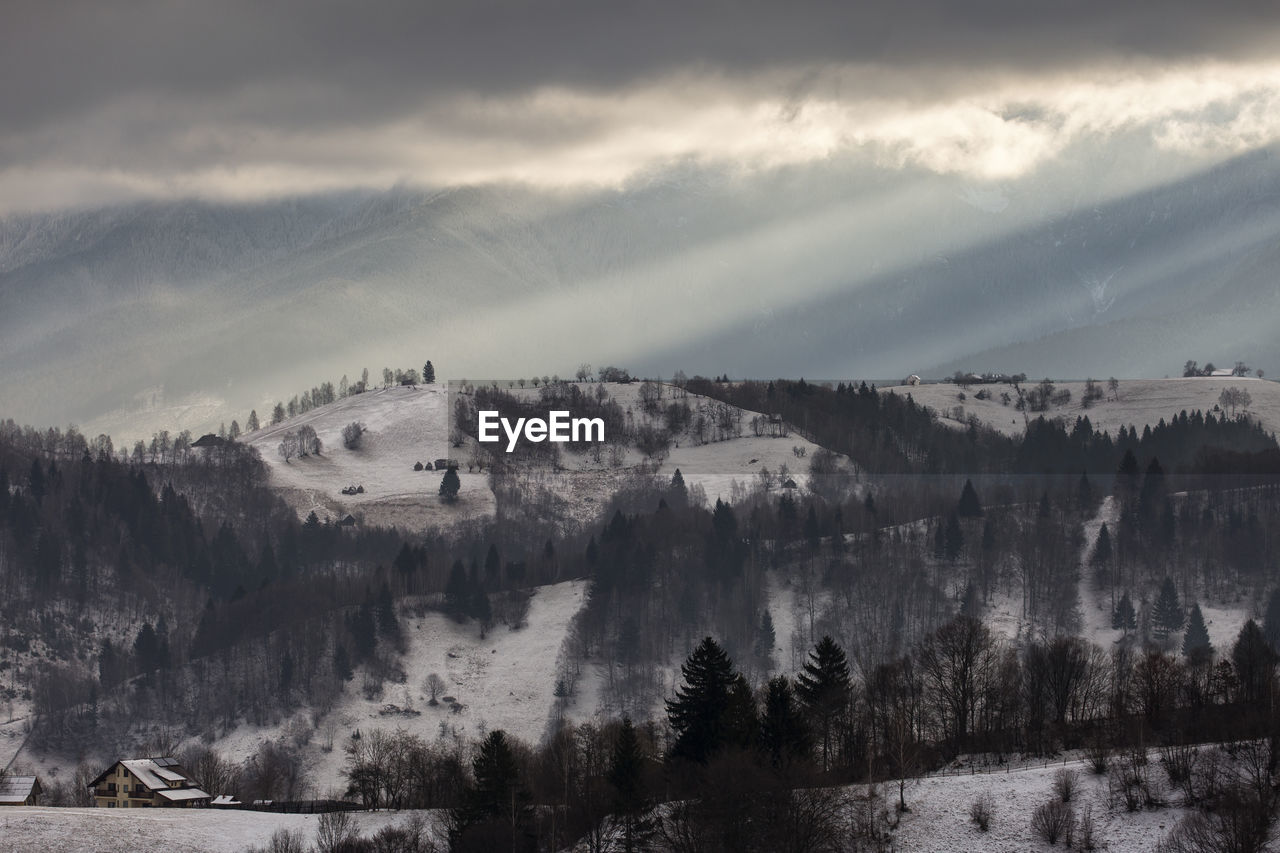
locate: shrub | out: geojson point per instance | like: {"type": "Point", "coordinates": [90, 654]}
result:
{"type": "Point", "coordinates": [1052, 820]}
{"type": "Point", "coordinates": [981, 811]}
{"type": "Point", "coordinates": [1065, 782]}
{"type": "Point", "coordinates": [352, 433]}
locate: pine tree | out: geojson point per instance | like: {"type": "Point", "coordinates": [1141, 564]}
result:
{"type": "Point", "coordinates": [678, 491]}
{"type": "Point", "coordinates": [252, 424]}
{"type": "Point", "coordinates": [450, 485]}
{"type": "Point", "coordinates": [1195, 644]}
{"type": "Point", "coordinates": [699, 710]}
{"type": "Point", "coordinates": [1102, 548]}
{"type": "Point", "coordinates": [1166, 614]}
{"type": "Point", "coordinates": [784, 736]}
{"type": "Point", "coordinates": [457, 591]}
{"type": "Point", "coordinates": [497, 794]}
{"type": "Point", "coordinates": [428, 373]}
{"type": "Point", "coordinates": [1255, 663]}
{"type": "Point", "coordinates": [1084, 493]}
{"type": "Point", "coordinates": [1124, 618]}
{"type": "Point", "coordinates": [630, 798]}
{"type": "Point", "coordinates": [823, 688]}
{"type": "Point", "coordinates": [969, 506]}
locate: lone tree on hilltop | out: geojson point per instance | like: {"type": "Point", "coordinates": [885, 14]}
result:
{"type": "Point", "coordinates": [450, 485]}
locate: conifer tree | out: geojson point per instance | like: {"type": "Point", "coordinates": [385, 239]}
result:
{"type": "Point", "coordinates": [497, 794]}
{"type": "Point", "coordinates": [428, 373]}
{"type": "Point", "coordinates": [784, 736]}
{"type": "Point", "coordinates": [1102, 548]}
{"type": "Point", "coordinates": [969, 506]}
{"type": "Point", "coordinates": [630, 798]}
{"type": "Point", "coordinates": [678, 491]}
{"type": "Point", "coordinates": [1195, 644]}
{"type": "Point", "coordinates": [823, 688]}
{"type": "Point", "coordinates": [450, 485]}
{"type": "Point", "coordinates": [698, 713]}
{"type": "Point", "coordinates": [1124, 618]}
{"type": "Point", "coordinates": [1166, 614]}
{"type": "Point", "coordinates": [252, 424]}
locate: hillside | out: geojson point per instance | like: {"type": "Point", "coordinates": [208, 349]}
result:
{"type": "Point", "coordinates": [404, 426]}
{"type": "Point", "coordinates": [1138, 403]}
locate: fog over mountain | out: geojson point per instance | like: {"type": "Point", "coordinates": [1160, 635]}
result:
{"type": "Point", "coordinates": [198, 311]}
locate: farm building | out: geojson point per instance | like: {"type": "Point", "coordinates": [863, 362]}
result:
{"type": "Point", "coordinates": [20, 791]}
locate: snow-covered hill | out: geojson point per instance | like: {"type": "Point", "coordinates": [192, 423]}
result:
{"type": "Point", "coordinates": [1137, 402]}
{"type": "Point", "coordinates": [405, 425]}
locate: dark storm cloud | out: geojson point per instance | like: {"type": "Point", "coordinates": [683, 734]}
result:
{"type": "Point", "coordinates": [108, 101]}
{"type": "Point", "coordinates": [358, 61]}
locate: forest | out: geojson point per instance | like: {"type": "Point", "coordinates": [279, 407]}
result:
{"type": "Point", "coordinates": [151, 599]}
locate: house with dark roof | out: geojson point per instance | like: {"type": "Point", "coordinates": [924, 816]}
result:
{"type": "Point", "coordinates": [209, 441]}
{"type": "Point", "coordinates": [133, 783]}
{"type": "Point", "coordinates": [20, 791]}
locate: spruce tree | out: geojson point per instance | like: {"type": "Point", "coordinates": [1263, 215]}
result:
{"type": "Point", "coordinates": [428, 373]}
{"type": "Point", "coordinates": [784, 735]}
{"type": "Point", "coordinates": [1124, 618]}
{"type": "Point", "coordinates": [1166, 613]}
{"type": "Point", "coordinates": [678, 491]}
{"type": "Point", "coordinates": [823, 688]}
{"type": "Point", "coordinates": [497, 794]}
{"type": "Point", "coordinates": [969, 506]}
{"type": "Point", "coordinates": [450, 485]}
{"type": "Point", "coordinates": [1195, 644]}
{"type": "Point", "coordinates": [630, 799]}
{"type": "Point", "coordinates": [699, 710]}
{"type": "Point", "coordinates": [1102, 548]}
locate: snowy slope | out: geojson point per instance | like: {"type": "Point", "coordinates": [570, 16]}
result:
{"type": "Point", "coordinates": [503, 681]}
{"type": "Point", "coordinates": [405, 425]}
{"type": "Point", "coordinates": [1139, 401]}
{"type": "Point", "coordinates": [939, 816]}
{"type": "Point", "coordinates": [50, 830]}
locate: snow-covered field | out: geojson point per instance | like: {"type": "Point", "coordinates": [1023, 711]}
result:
{"type": "Point", "coordinates": [49, 830]}
{"type": "Point", "coordinates": [405, 425]}
{"type": "Point", "coordinates": [504, 681]}
{"type": "Point", "coordinates": [938, 820]}
{"type": "Point", "coordinates": [939, 817]}
{"type": "Point", "coordinates": [1138, 402]}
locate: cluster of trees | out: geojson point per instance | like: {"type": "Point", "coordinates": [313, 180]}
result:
{"type": "Point", "coordinates": [327, 392]}
{"type": "Point", "coordinates": [301, 442]}
{"type": "Point", "coordinates": [1193, 368]}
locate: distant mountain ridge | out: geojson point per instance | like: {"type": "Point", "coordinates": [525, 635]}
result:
{"type": "Point", "coordinates": [825, 270]}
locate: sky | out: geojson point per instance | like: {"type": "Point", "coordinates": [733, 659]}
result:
{"type": "Point", "coordinates": [103, 102]}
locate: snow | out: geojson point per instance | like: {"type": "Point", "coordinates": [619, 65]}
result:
{"type": "Point", "coordinates": [83, 830]}
{"type": "Point", "coordinates": [404, 425]}
{"type": "Point", "coordinates": [1139, 401]}
{"type": "Point", "coordinates": [939, 816]}
{"type": "Point", "coordinates": [504, 681]}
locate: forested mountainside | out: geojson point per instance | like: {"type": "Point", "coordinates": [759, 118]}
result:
{"type": "Point", "coordinates": [836, 622]}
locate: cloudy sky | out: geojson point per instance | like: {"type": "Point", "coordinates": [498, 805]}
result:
{"type": "Point", "coordinates": [239, 100]}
